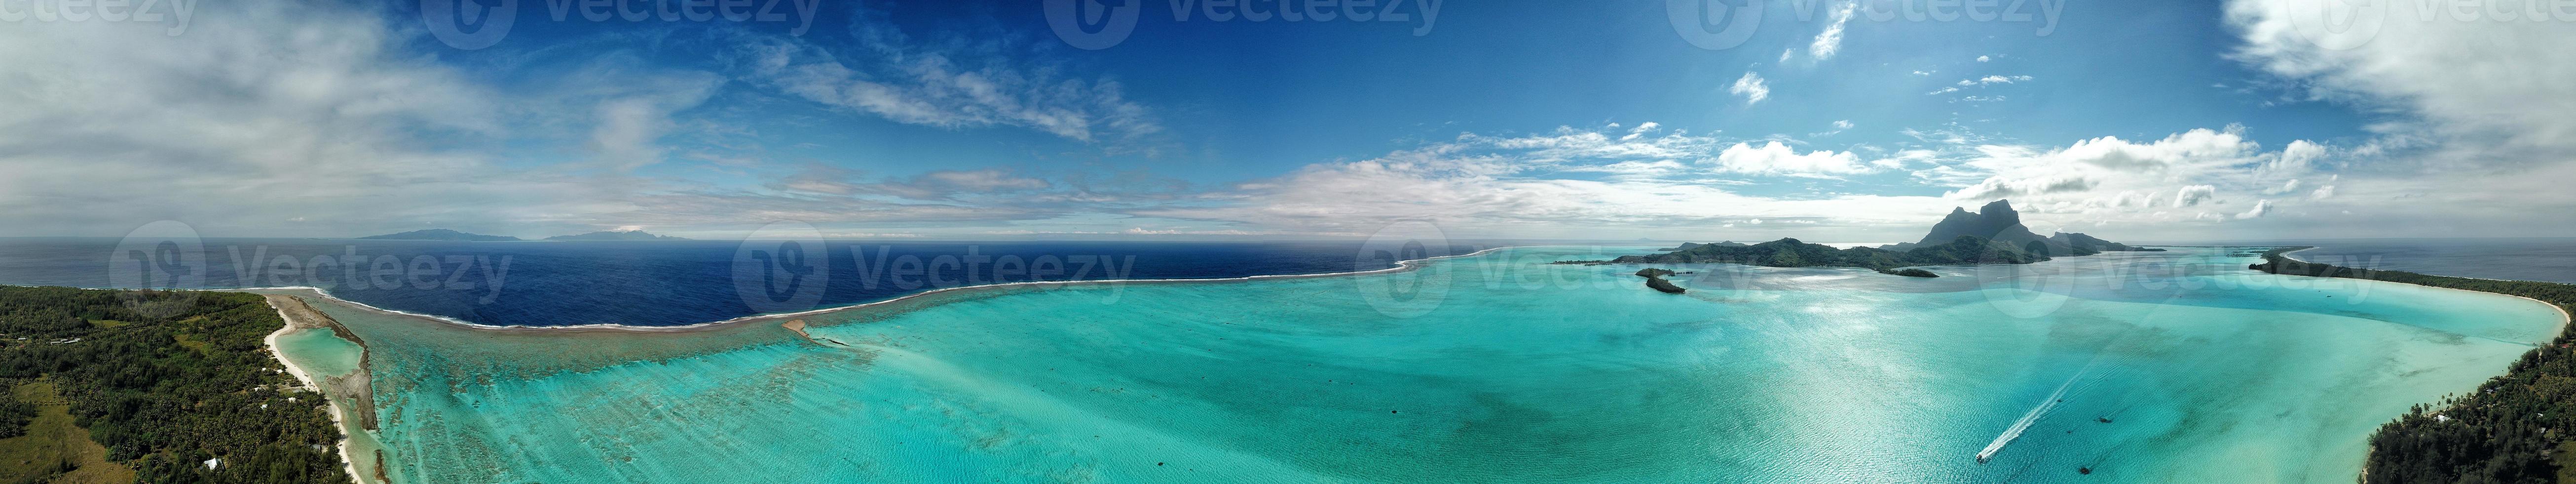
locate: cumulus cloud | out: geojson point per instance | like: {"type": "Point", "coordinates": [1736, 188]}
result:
{"type": "Point", "coordinates": [2292, 186]}
{"type": "Point", "coordinates": [2477, 112]}
{"type": "Point", "coordinates": [1752, 87]}
{"type": "Point", "coordinates": [2260, 207]}
{"type": "Point", "coordinates": [2191, 196]}
{"type": "Point", "coordinates": [1774, 158]}
{"type": "Point", "coordinates": [2299, 156]}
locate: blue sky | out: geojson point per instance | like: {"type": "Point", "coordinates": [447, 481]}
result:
{"type": "Point", "coordinates": [1833, 120]}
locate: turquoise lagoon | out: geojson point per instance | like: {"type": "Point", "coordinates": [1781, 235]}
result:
{"type": "Point", "coordinates": [1488, 368]}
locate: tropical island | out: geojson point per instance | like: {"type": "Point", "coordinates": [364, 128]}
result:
{"type": "Point", "coordinates": [615, 235]}
{"type": "Point", "coordinates": [1992, 235]}
{"type": "Point", "coordinates": [456, 236]}
{"type": "Point", "coordinates": [442, 234]}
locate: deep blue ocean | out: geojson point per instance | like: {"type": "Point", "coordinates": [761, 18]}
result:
{"type": "Point", "coordinates": [662, 283]}
{"type": "Point", "coordinates": [655, 283]}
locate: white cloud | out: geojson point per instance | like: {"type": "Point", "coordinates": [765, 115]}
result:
{"type": "Point", "coordinates": [1993, 80]}
{"type": "Point", "coordinates": [1843, 124]}
{"type": "Point", "coordinates": [2260, 207]}
{"type": "Point", "coordinates": [2191, 196]}
{"type": "Point", "coordinates": [1641, 130]}
{"type": "Point", "coordinates": [1999, 188]}
{"type": "Point", "coordinates": [2477, 116]}
{"type": "Point", "coordinates": [1751, 87]}
{"type": "Point", "coordinates": [1830, 41]}
{"type": "Point", "coordinates": [1481, 195]}
{"type": "Point", "coordinates": [2323, 192]}
{"type": "Point", "coordinates": [1774, 158]}
{"type": "Point", "coordinates": [2299, 156]}
{"type": "Point", "coordinates": [953, 85]}
{"type": "Point", "coordinates": [262, 111]}
{"type": "Point", "coordinates": [1985, 58]}
{"type": "Point", "coordinates": [2292, 186]}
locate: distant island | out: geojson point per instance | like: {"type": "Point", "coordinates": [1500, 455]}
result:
{"type": "Point", "coordinates": [1992, 235]}
{"type": "Point", "coordinates": [1688, 245]}
{"type": "Point", "coordinates": [615, 235]}
{"type": "Point", "coordinates": [1998, 222]}
{"type": "Point", "coordinates": [441, 234]}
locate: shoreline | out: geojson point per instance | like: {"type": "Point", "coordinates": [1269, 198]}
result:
{"type": "Point", "coordinates": [1401, 266]}
{"type": "Point", "coordinates": [2566, 319]}
{"type": "Point", "coordinates": [338, 418]}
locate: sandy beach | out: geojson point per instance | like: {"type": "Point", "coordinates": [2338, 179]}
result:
{"type": "Point", "coordinates": [300, 316]}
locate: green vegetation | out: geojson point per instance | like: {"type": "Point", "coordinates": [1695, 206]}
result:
{"type": "Point", "coordinates": [1967, 249]}
{"type": "Point", "coordinates": [2513, 428]}
{"type": "Point", "coordinates": [182, 380]}
{"type": "Point", "coordinates": [50, 447]}
{"type": "Point", "coordinates": [1908, 272]}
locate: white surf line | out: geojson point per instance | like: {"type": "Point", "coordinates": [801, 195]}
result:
{"type": "Point", "coordinates": [1400, 266]}
{"type": "Point", "coordinates": [2027, 419]}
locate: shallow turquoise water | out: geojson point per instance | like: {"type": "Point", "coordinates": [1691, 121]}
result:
{"type": "Point", "coordinates": [319, 353]}
{"type": "Point", "coordinates": [1495, 368]}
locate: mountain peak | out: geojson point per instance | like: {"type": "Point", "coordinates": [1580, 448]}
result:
{"type": "Point", "coordinates": [1995, 221]}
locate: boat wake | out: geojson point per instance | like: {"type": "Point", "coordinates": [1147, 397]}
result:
{"type": "Point", "coordinates": [2014, 432]}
